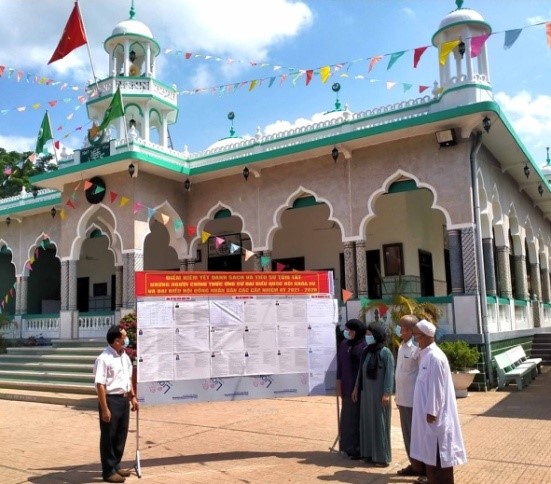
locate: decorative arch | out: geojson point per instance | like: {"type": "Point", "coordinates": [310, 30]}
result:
{"type": "Point", "coordinates": [299, 192]}
{"type": "Point", "coordinates": [164, 213]}
{"type": "Point", "coordinates": [400, 175]}
{"type": "Point", "coordinates": [515, 232]}
{"type": "Point", "coordinates": [5, 249]}
{"type": "Point", "coordinates": [485, 209]}
{"type": "Point", "coordinates": [210, 216]}
{"type": "Point", "coordinates": [39, 241]}
{"type": "Point", "coordinates": [91, 220]}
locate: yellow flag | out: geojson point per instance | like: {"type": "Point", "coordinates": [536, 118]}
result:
{"type": "Point", "coordinates": [124, 201]}
{"type": "Point", "coordinates": [445, 49]}
{"type": "Point", "coordinates": [204, 237]}
{"type": "Point", "coordinates": [325, 72]}
{"type": "Point", "coordinates": [252, 85]}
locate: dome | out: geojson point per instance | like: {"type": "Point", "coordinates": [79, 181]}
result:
{"type": "Point", "coordinates": [462, 16]}
{"type": "Point", "coordinates": [225, 143]}
{"type": "Point", "coordinates": [546, 171]}
{"type": "Point", "coordinates": [132, 27]}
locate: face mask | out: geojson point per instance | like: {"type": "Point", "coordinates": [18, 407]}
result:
{"type": "Point", "coordinates": [369, 339]}
{"type": "Point", "coordinates": [346, 334]}
{"type": "Point", "coordinates": [126, 342]}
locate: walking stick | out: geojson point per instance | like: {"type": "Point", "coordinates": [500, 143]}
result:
{"type": "Point", "coordinates": [137, 465]}
{"type": "Point", "coordinates": [332, 448]}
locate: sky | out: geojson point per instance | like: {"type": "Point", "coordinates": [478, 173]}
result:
{"type": "Point", "coordinates": [234, 43]}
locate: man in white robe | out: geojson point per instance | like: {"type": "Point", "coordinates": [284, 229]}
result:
{"type": "Point", "coordinates": [436, 436]}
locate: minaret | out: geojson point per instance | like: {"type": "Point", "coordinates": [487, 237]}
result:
{"type": "Point", "coordinates": [463, 79]}
{"type": "Point", "coordinates": [149, 105]}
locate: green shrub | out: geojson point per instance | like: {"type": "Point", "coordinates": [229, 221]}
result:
{"type": "Point", "coordinates": [460, 355]}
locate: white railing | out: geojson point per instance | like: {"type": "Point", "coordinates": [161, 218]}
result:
{"type": "Point", "coordinates": [46, 326]}
{"type": "Point", "coordinates": [9, 330]}
{"type": "Point", "coordinates": [94, 325]}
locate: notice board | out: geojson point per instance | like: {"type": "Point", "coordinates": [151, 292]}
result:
{"type": "Point", "coordinates": [215, 336]}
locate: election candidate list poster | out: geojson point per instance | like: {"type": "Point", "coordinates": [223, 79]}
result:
{"type": "Point", "coordinates": [246, 346]}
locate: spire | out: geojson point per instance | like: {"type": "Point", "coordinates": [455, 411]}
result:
{"type": "Point", "coordinates": [132, 11]}
{"type": "Point", "coordinates": [231, 117]}
{"type": "Point", "coordinates": [459, 4]}
{"type": "Point", "coordinates": [548, 160]}
{"type": "Point", "coordinates": [336, 87]}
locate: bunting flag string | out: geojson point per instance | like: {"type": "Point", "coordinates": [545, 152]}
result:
{"type": "Point", "coordinates": [324, 73]}
{"type": "Point", "coordinates": [190, 230]}
{"type": "Point", "coordinates": [510, 37]}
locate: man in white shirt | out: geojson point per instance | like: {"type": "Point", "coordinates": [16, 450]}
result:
{"type": "Point", "coordinates": [436, 438]}
{"type": "Point", "coordinates": [113, 378]}
{"type": "Point", "coordinates": [407, 367]}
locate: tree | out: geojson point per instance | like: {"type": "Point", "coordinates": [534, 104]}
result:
{"type": "Point", "coordinates": [16, 169]}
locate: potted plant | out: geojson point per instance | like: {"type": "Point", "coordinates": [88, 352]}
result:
{"type": "Point", "coordinates": [462, 359]}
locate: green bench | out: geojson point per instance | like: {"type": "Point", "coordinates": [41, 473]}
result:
{"type": "Point", "coordinates": [512, 367]}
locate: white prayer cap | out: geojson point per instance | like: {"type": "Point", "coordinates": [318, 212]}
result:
{"type": "Point", "coordinates": [426, 327]}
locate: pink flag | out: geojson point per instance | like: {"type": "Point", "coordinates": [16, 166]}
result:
{"type": "Point", "coordinates": [477, 43]}
{"type": "Point", "coordinates": [374, 61]}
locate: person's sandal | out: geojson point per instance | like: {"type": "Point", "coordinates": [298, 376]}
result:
{"type": "Point", "coordinates": [408, 471]}
{"type": "Point", "coordinates": [422, 480]}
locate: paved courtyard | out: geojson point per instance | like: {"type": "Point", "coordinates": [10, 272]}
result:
{"type": "Point", "coordinates": [507, 433]}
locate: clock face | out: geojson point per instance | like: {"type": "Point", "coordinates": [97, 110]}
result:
{"type": "Point", "coordinates": [96, 192]}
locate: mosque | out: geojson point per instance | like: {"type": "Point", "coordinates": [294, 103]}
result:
{"type": "Point", "coordinates": [436, 195]}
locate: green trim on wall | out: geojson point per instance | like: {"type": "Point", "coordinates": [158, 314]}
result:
{"type": "Point", "coordinates": [224, 213]}
{"type": "Point", "coordinates": [305, 202]}
{"type": "Point", "coordinates": [402, 186]}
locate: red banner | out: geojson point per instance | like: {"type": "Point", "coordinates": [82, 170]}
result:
{"type": "Point", "coordinates": [173, 283]}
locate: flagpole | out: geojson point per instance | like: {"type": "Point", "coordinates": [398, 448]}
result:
{"type": "Point", "coordinates": [51, 139]}
{"type": "Point", "coordinates": [88, 48]}
{"type": "Point", "coordinates": [124, 120]}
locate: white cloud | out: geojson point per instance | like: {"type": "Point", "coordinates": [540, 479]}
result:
{"type": "Point", "coordinates": [531, 117]}
{"type": "Point", "coordinates": [282, 125]}
{"type": "Point", "coordinates": [17, 143]}
{"type": "Point", "coordinates": [244, 29]}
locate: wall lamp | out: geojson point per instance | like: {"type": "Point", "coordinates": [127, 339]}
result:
{"type": "Point", "coordinates": [486, 124]}
{"type": "Point", "coordinates": [540, 190]}
{"type": "Point", "coordinates": [131, 169]}
{"type": "Point", "coordinates": [187, 185]}
{"type": "Point", "coordinates": [34, 191]}
{"type": "Point", "coordinates": [8, 221]}
{"type": "Point", "coordinates": [246, 173]}
{"type": "Point", "coordinates": [526, 170]}
{"type": "Point", "coordinates": [461, 49]}
{"type": "Point", "coordinates": [446, 137]}
{"type": "Point", "coordinates": [335, 154]}
{"type": "Point", "coordinates": [53, 211]}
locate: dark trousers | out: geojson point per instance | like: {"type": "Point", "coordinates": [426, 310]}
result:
{"type": "Point", "coordinates": [406, 415]}
{"type": "Point", "coordinates": [350, 427]}
{"type": "Point", "coordinates": [438, 474]}
{"type": "Point", "coordinates": [113, 434]}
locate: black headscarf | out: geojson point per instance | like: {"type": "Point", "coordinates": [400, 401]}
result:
{"type": "Point", "coordinates": [359, 328]}
{"type": "Point", "coordinates": [371, 353]}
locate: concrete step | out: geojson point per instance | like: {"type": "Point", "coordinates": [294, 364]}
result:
{"type": "Point", "coordinates": [84, 401]}
{"type": "Point", "coordinates": [40, 376]}
{"type": "Point", "coordinates": [81, 343]}
{"type": "Point", "coordinates": [52, 350]}
{"type": "Point", "coordinates": [47, 366]}
{"type": "Point", "coordinates": [50, 357]}
{"type": "Point", "coordinates": [48, 386]}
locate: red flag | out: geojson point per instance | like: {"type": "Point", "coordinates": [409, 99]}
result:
{"type": "Point", "coordinates": [417, 53]}
{"type": "Point", "coordinates": [73, 36]}
{"type": "Point", "coordinates": [346, 295]}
